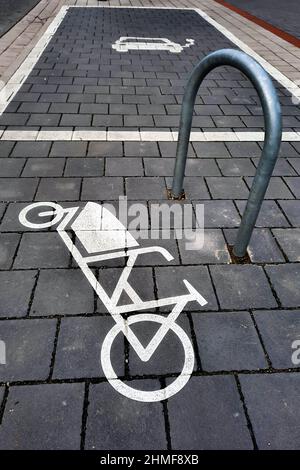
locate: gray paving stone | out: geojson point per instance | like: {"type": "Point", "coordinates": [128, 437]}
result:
{"type": "Point", "coordinates": [168, 357]}
{"type": "Point", "coordinates": [270, 214]}
{"type": "Point", "coordinates": [44, 120]}
{"type": "Point", "coordinates": [169, 282]}
{"type": "Point", "coordinates": [79, 347]}
{"type": "Point", "coordinates": [275, 415]}
{"type": "Point", "coordinates": [289, 240]}
{"type": "Point", "coordinates": [145, 188]}
{"type": "Point", "coordinates": [116, 422]}
{"type": "Point", "coordinates": [15, 189]}
{"type": "Point", "coordinates": [15, 292]}
{"type": "Point", "coordinates": [168, 149]}
{"type": "Point", "coordinates": [194, 187]}
{"type": "Point", "coordinates": [53, 189]}
{"type": "Point", "coordinates": [140, 278]}
{"type": "Point", "coordinates": [291, 210]}
{"type": "Point", "coordinates": [6, 148]}
{"type": "Point", "coordinates": [68, 149]}
{"type": "Point", "coordinates": [55, 412]}
{"type": "Point", "coordinates": [42, 167]}
{"type": "Point", "coordinates": [236, 167]}
{"type": "Point", "coordinates": [198, 167]}
{"type": "Point", "coordinates": [41, 250]}
{"type": "Point", "coordinates": [105, 149]}
{"type": "Point", "coordinates": [211, 150]}
{"type": "Point", "coordinates": [31, 149]}
{"type": "Point", "coordinates": [277, 189]}
{"type": "Point", "coordinates": [279, 329]}
{"type": "Point", "coordinates": [262, 247]}
{"type": "Point", "coordinates": [286, 282]}
{"type": "Point", "coordinates": [219, 214]}
{"type": "Point", "coordinates": [68, 293]}
{"type": "Point", "coordinates": [295, 162]}
{"type": "Point", "coordinates": [8, 245]}
{"type": "Point", "coordinates": [243, 149]}
{"type": "Point", "coordinates": [124, 167]}
{"type": "Point", "coordinates": [217, 407]}
{"type": "Point", "coordinates": [159, 166]}
{"type": "Point", "coordinates": [242, 287]}
{"type": "Point", "coordinates": [227, 188]}
{"type": "Point", "coordinates": [11, 167]}
{"type": "Point", "coordinates": [228, 341]}
{"type": "Point", "coordinates": [282, 167]}
{"type": "Point", "coordinates": [29, 346]}
{"type": "Point", "coordinates": [213, 250]}
{"type": "Point", "coordinates": [84, 167]}
{"type": "Point", "coordinates": [293, 183]}
{"type": "Point", "coordinates": [141, 149]}
{"type": "Point", "coordinates": [102, 188]}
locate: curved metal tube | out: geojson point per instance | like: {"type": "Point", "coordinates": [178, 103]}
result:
{"type": "Point", "coordinates": [273, 129]}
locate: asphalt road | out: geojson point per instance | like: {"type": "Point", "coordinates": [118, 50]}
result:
{"type": "Point", "coordinates": [12, 11]}
{"type": "Point", "coordinates": [283, 15]}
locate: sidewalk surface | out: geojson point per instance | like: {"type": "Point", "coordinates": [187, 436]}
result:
{"type": "Point", "coordinates": [244, 392]}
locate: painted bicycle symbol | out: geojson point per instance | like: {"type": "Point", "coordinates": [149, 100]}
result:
{"type": "Point", "coordinates": [104, 237]}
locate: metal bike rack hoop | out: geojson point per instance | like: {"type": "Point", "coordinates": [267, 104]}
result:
{"type": "Point", "coordinates": [273, 129]}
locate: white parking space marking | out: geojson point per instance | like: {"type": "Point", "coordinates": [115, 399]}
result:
{"type": "Point", "coordinates": [140, 136]}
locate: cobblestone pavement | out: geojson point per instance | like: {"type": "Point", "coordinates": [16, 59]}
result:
{"type": "Point", "coordinates": [286, 18]}
{"type": "Point", "coordinates": [243, 393]}
{"type": "Point", "coordinates": [12, 11]}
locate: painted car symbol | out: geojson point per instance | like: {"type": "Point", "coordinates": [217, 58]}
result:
{"type": "Point", "coordinates": [126, 43]}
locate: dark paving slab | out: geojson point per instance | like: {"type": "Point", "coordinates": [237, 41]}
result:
{"type": "Point", "coordinates": [29, 347]}
{"type": "Point", "coordinates": [275, 415]}
{"type": "Point", "coordinates": [45, 417]}
{"type": "Point", "coordinates": [279, 330]}
{"type": "Point", "coordinates": [191, 421]}
{"type": "Point", "coordinates": [228, 341]}
{"type": "Point", "coordinates": [13, 11]}
{"type": "Point", "coordinates": [115, 422]}
{"type": "Point", "coordinates": [285, 17]}
{"type": "Point", "coordinates": [135, 89]}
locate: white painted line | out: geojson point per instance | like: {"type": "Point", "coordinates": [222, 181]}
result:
{"type": "Point", "coordinates": [148, 136]}
{"type": "Point", "coordinates": [14, 84]}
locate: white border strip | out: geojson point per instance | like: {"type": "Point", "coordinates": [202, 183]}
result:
{"type": "Point", "coordinates": [138, 136]}
{"type": "Point", "coordinates": [9, 90]}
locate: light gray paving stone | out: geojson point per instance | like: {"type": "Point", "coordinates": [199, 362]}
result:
{"type": "Point", "coordinates": [270, 214]}
{"type": "Point", "coordinates": [124, 167]}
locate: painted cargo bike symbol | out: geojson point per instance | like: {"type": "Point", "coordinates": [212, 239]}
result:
{"type": "Point", "coordinates": [100, 232]}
